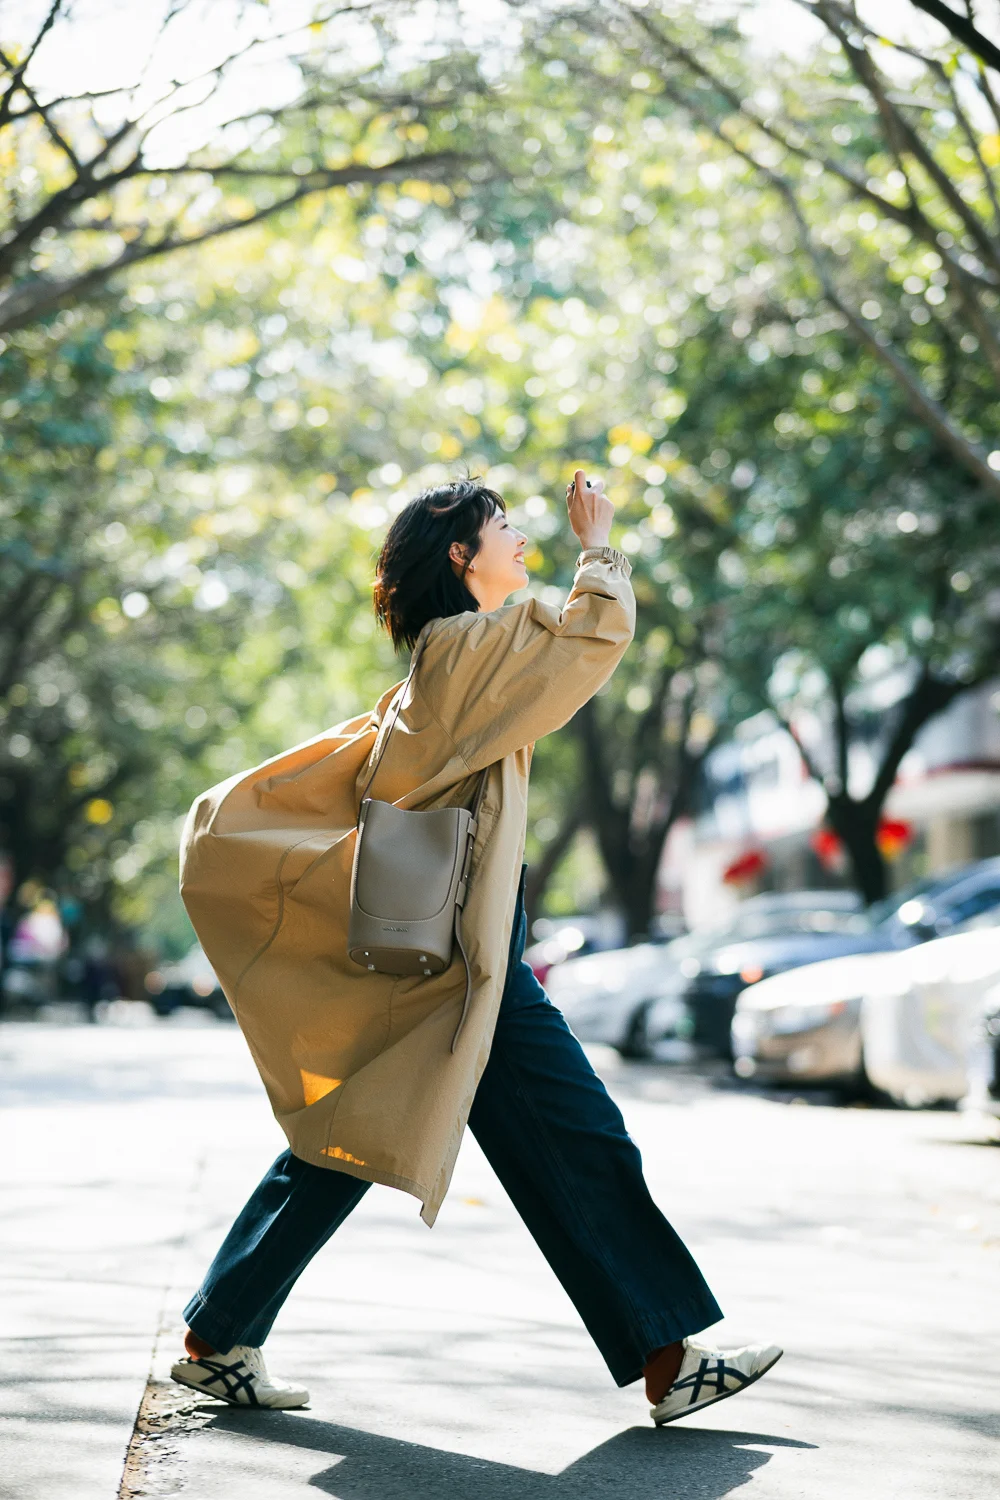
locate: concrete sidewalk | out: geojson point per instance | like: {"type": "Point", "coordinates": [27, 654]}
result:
{"type": "Point", "coordinates": [449, 1362]}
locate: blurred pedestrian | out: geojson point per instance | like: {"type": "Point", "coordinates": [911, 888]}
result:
{"type": "Point", "coordinates": [98, 978]}
{"type": "Point", "coordinates": [36, 945]}
{"type": "Point", "coordinates": [373, 1076]}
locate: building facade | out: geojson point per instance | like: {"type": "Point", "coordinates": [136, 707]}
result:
{"type": "Point", "coordinates": [760, 821]}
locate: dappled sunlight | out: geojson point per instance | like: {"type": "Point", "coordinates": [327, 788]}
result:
{"type": "Point", "coordinates": [342, 1155]}
{"type": "Point", "coordinates": [316, 1087]}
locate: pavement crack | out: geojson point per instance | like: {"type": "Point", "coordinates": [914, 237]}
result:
{"type": "Point", "coordinates": [166, 1413]}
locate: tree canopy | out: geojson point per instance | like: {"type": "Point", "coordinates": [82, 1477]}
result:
{"type": "Point", "coordinates": [751, 292]}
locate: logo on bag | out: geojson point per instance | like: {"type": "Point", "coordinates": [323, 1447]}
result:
{"type": "Point", "coordinates": [394, 929]}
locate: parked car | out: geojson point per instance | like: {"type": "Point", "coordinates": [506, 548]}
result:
{"type": "Point", "coordinates": [559, 940]}
{"type": "Point", "coordinates": [190, 981]}
{"type": "Point", "coordinates": [604, 996]}
{"type": "Point", "coordinates": [804, 1024]}
{"type": "Point", "coordinates": [983, 1069]}
{"type": "Point", "coordinates": [698, 999]}
{"type": "Point", "coordinates": [25, 984]}
{"type": "Point", "coordinates": [927, 909]}
{"type": "Point", "coordinates": [871, 1017]}
{"type": "Point", "coordinates": [919, 1015]}
{"type": "Point", "coordinates": [631, 997]}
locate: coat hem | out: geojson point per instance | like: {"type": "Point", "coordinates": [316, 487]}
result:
{"type": "Point", "coordinates": [428, 1209]}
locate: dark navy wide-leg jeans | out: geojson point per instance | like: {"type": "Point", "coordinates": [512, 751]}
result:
{"type": "Point", "coordinates": [558, 1144]}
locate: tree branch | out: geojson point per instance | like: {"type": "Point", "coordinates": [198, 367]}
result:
{"type": "Point", "coordinates": [18, 70]}
{"type": "Point", "coordinates": [62, 203]}
{"type": "Point", "coordinates": [807, 760]}
{"type": "Point", "coordinates": [986, 89]}
{"type": "Point", "coordinates": [541, 870]}
{"type": "Point", "coordinates": [971, 455]}
{"type": "Point", "coordinates": [650, 725]}
{"type": "Point", "coordinates": [842, 730]}
{"type": "Point", "coordinates": [912, 217]}
{"type": "Point", "coordinates": [897, 127]}
{"type": "Point", "coordinates": [596, 769]}
{"type": "Point", "coordinates": [928, 697]}
{"type": "Point", "coordinates": [963, 30]}
{"type": "Point", "coordinates": [971, 137]}
{"type": "Point", "coordinates": [44, 115]}
{"type": "Point", "coordinates": [29, 300]}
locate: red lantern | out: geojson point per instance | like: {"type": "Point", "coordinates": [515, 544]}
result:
{"type": "Point", "coordinates": [746, 868]}
{"type": "Point", "coordinates": [827, 847]}
{"type": "Point", "coordinates": [892, 837]}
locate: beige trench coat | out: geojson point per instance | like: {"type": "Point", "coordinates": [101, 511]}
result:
{"type": "Point", "coordinates": [358, 1066]}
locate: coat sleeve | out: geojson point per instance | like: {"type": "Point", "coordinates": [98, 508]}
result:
{"type": "Point", "coordinates": [522, 671]}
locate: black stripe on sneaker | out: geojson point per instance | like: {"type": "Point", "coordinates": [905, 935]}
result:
{"type": "Point", "coordinates": [233, 1378]}
{"type": "Point", "coordinates": [711, 1375]}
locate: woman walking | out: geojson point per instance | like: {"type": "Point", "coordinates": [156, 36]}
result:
{"type": "Point", "coordinates": [373, 1076]}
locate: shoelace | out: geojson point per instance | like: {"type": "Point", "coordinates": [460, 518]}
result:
{"type": "Point", "coordinates": [254, 1361]}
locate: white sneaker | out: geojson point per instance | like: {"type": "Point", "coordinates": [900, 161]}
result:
{"type": "Point", "coordinates": [708, 1375]}
{"type": "Point", "coordinates": [239, 1377]}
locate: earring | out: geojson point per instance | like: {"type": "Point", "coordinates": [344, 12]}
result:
{"type": "Point", "coordinates": [472, 568]}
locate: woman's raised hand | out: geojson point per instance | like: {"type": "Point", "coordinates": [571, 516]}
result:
{"type": "Point", "coordinates": [590, 510]}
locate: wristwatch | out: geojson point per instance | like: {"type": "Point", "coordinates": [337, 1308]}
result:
{"type": "Point", "coordinates": [605, 554]}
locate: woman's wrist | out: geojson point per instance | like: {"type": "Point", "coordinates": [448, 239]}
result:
{"type": "Point", "coordinates": [605, 553]}
{"type": "Point", "coordinates": [594, 541]}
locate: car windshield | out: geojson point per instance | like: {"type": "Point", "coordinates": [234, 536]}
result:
{"type": "Point", "coordinates": [774, 917]}
{"type": "Point", "coordinates": [883, 911]}
{"type": "Point", "coordinates": [988, 918]}
{"type": "Point", "coordinates": [773, 923]}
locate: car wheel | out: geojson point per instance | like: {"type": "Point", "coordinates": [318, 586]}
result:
{"type": "Point", "coordinates": [634, 1045]}
{"type": "Point", "coordinates": [861, 1090]}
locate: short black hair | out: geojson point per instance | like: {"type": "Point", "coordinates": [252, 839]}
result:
{"type": "Point", "coordinates": [415, 580]}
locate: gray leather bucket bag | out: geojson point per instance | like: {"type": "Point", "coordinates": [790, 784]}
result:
{"type": "Point", "coordinates": [409, 880]}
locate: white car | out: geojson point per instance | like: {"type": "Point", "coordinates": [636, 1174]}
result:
{"type": "Point", "coordinates": [920, 1013]}
{"type": "Point", "coordinates": [604, 996]}
{"type": "Point", "coordinates": [805, 1024]}
{"type": "Point", "coordinates": [903, 1021]}
{"type": "Point", "coordinates": [633, 998]}
{"type": "Point", "coordinates": [189, 981]}
{"type": "Point", "coordinates": [983, 1066]}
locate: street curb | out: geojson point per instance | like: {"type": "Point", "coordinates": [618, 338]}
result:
{"type": "Point", "coordinates": [165, 1409]}
{"type": "Point", "coordinates": [165, 1413]}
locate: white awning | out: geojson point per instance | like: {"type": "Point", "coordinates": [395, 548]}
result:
{"type": "Point", "coordinates": [946, 793]}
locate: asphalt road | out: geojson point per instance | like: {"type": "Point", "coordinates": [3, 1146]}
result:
{"type": "Point", "coordinates": [449, 1363]}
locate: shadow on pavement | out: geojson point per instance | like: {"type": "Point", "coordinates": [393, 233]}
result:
{"type": "Point", "coordinates": [700, 1463]}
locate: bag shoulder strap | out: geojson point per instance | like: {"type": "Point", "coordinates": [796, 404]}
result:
{"type": "Point", "coordinates": [391, 719]}
{"type": "Point", "coordinates": [393, 714]}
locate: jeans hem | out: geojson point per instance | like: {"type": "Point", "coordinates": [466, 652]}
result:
{"type": "Point", "coordinates": [202, 1319]}
{"type": "Point", "coordinates": [627, 1360]}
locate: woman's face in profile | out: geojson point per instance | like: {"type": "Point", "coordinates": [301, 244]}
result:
{"type": "Point", "coordinates": [499, 563]}
{"type": "Point", "coordinates": [498, 568]}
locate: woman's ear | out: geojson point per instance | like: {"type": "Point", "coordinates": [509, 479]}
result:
{"type": "Point", "coordinates": [458, 555]}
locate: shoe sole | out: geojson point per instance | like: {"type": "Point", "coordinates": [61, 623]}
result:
{"type": "Point", "coordinates": [689, 1411]}
{"type": "Point", "coordinates": [193, 1385]}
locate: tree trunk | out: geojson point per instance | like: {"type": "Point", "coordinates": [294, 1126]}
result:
{"type": "Point", "coordinates": [634, 883]}
{"type": "Point", "coordinates": [855, 821]}
{"type": "Point", "coordinates": [541, 872]}
{"type": "Point", "coordinates": [631, 856]}
{"type": "Point", "coordinates": [856, 825]}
